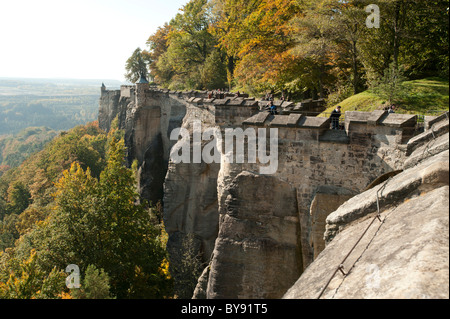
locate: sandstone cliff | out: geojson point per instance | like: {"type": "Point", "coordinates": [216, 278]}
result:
{"type": "Point", "coordinates": [258, 240]}
{"type": "Point", "coordinates": [252, 227]}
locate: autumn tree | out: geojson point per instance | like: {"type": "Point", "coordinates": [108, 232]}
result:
{"type": "Point", "coordinates": [257, 35]}
{"type": "Point", "coordinates": [311, 47]}
{"type": "Point", "coordinates": [158, 44]}
{"type": "Point", "coordinates": [29, 281]}
{"type": "Point", "coordinates": [226, 26]}
{"type": "Point", "coordinates": [99, 222]}
{"type": "Point", "coordinates": [186, 53]}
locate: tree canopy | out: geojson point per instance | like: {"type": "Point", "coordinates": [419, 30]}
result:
{"type": "Point", "coordinates": [76, 203]}
{"type": "Point", "coordinates": [311, 48]}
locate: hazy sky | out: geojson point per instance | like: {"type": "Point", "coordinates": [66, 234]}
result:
{"type": "Point", "coordinates": [83, 39]}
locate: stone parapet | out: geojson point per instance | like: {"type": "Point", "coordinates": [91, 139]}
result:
{"type": "Point", "coordinates": [292, 120]}
{"type": "Point", "coordinates": [380, 118]}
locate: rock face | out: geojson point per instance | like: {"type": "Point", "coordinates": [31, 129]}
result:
{"type": "Point", "coordinates": [326, 200]}
{"type": "Point", "coordinates": [405, 256]}
{"type": "Point", "coordinates": [190, 193]}
{"type": "Point", "coordinates": [257, 252]}
{"type": "Point", "coordinates": [404, 253]}
{"type": "Point", "coordinates": [190, 204]}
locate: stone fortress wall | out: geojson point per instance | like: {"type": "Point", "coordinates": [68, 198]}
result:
{"type": "Point", "coordinates": [251, 227]}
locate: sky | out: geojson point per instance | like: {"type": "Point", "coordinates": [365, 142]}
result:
{"type": "Point", "coordinates": [80, 39]}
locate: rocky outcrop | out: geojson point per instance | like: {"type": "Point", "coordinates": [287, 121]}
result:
{"type": "Point", "coordinates": [190, 197]}
{"type": "Point", "coordinates": [424, 177]}
{"type": "Point", "coordinates": [404, 256]}
{"type": "Point", "coordinates": [190, 204]}
{"type": "Point", "coordinates": [202, 284]}
{"type": "Point", "coordinates": [147, 119]}
{"type": "Point", "coordinates": [391, 241]}
{"type": "Point", "coordinates": [258, 241]}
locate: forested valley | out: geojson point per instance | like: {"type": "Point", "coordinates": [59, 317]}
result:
{"type": "Point", "coordinates": [60, 177]}
{"type": "Point", "coordinates": [75, 203]}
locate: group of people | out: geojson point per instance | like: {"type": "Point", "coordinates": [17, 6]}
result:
{"type": "Point", "coordinates": [272, 108]}
{"type": "Point", "coordinates": [221, 93]}
{"type": "Point", "coordinates": [217, 94]}
{"type": "Point", "coordinates": [269, 97]}
{"type": "Point", "coordinates": [390, 109]}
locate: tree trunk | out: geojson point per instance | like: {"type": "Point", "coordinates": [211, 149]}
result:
{"type": "Point", "coordinates": [230, 70]}
{"type": "Point", "coordinates": [355, 68]}
{"type": "Point", "coordinates": [399, 19]}
{"type": "Point", "coordinates": [320, 89]}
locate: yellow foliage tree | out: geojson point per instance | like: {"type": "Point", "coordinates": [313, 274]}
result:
{"type": "Point", "coordinates": [32, 283]}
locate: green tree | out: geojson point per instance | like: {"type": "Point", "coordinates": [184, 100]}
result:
{"type": "Point", "coordinates": [188, 267]}
{"type": "Point", "coordinates": [18, 198]}
{"type": "Point", "coordinates": [98, 222]}
{"type": "Point", "coordinates": [136, 66]}
{"type": "Point", "coordinates": [8, 231]}
{"type": "Point", "coordinates": [213, 71]}
{"type": "Point", "coordinates": [30, 282]}
{"type": "Point", "coordinates": [412, 34]}
{"type": "Point", "coordinates": [94, 285]}
{"type": "Point", "coordinates": [424, 49]}
{"type": "Point", "coordinates": [3, 206]}
{"type": "Point", "coordinates": [390, 87]}
{"type": "Point", "coordinates": [186, 50]}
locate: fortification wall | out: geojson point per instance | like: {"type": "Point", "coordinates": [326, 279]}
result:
{"type": "Point", "coordinates": [311, 156]}
{"type": "Point", "coordinates": [108, 108]}
{"type": "Point", "coordinates": [314, 163]}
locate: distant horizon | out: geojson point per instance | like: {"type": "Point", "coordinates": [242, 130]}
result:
{"type": "Point", "coordinates": [16, 86]}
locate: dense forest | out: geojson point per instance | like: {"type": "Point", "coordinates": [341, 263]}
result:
{"type": "Point", "coordinates": [301, 48]}
{"type": "Point", "coordinates": [75, 203]}
{"type": "Point", "coordinates": [14, 149]}
{"type": "Point", "coordinates": [57, 113]}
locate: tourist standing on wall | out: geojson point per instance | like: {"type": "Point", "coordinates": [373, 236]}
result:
{"type": "Point", "coordinates": [335, 115]}
{"type": "Point", "coordinates": [391, 109]}
{"type": "Point", "coordinates": [272, 108]}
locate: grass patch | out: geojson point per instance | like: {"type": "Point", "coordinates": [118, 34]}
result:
{"type": "Point", "coordinates": [429, 96]}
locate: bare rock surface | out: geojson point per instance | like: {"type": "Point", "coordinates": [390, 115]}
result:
{"type": "Point", "coordinates": [405, 255]}
{"type": "Point", "coordinates": [257, 252]}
